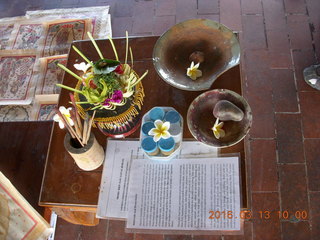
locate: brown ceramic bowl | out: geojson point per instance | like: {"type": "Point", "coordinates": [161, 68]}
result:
{"type": "Point", "coordinates": [171, 53]}
{"type": "Point", "coordinates": [200, 118]}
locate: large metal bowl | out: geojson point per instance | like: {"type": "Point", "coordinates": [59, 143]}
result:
{"type": "Point", "coordinates": [200, 118]}
{"type": "Point", "coordinates": [171, 53]}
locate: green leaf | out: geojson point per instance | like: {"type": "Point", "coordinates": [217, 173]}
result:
{"type": "Point", "coordinates": [105, 66]}
{"type": "Point", "coordinates": [104, 70]}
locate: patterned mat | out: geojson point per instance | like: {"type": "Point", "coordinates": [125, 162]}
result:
{"type": "Point", "coordinates": [29, 47]}
{"type": "Point", "coordinates": [18, 219]}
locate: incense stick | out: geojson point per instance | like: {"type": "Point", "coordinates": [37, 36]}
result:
{"type": "Point", "coordinates": [85, 130]}
{"type": "Point", "coordinates": [76, 111]}
{"type": "Point", "coordinates": [73, 117]}
{"type": "Point", "coordinates": [90, 126]}
{"type": "Point", "coordinates": [68, 126]}
{"type": "Point", "coordinates": [71, 130]}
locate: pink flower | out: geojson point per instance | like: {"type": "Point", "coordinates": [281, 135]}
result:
{"type": "Point", "coordinates": [107, 102]}
{"type": "Point", "coordinates": [117, 97]}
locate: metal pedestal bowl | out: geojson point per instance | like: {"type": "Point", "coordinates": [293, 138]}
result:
{"type": "Point", "coordinates": [218, 44]}
{"type": "Point", "coordinates": [200, 118]}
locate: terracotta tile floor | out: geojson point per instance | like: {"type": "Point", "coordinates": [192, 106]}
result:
{"type": "Point", "coordinates": [279, 38]}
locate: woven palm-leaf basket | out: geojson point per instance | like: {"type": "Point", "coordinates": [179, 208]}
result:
{"type": "Point", "coordinates": [120, 122]}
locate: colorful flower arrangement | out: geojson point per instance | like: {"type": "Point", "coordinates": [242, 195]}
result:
{"type": "Point", "coordinates": [106, 83]}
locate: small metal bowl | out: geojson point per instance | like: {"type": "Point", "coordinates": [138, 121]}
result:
{"type": "Point", "coordinates": [218, 44]}
{"type": "Point", "coordinates": [200, 118]}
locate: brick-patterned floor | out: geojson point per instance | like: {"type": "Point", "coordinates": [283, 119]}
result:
{"type": "Point", "coordinates": [279, 38]}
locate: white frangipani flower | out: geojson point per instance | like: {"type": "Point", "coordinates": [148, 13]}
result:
{"type": "Point", "coordinates": [66, 113]}
{"type": "Point", "coordinates": [160, 130]}
{"type": "Point", "coordinates": [217, 129]}
{"type": "Point", "coordinates": [313, 81]}
{"type": "Point", "coordinates": [82, 66]}
{"type": "Point", "coordinates": [193, 72]}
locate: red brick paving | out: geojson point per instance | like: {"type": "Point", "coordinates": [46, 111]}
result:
{"type": "Point", "coordinates": [251, 7]}
{"type": "Point", "coordinates": [289, 142]}
{"type": "Point", "coordinates": [266, 223]}
{"type": "Point", "coordinates": [148, 237]}
{"type": "Point", "coordinates": [302, 58]}
{"type": "Point", "coordinates": [299, 31]}
{"type": "Point", "coordinates": [310, 110]}
{"type": "Point", "coordinates": [293, 187]}
{"type": "Point", "coordinates": [279, 38]}
{"type": "Point", "coordinates": [296, 230]}
{"type": "Point", "coordinates": [315, 214]}
{"type": "Point", "coordinates": [284, 91]}
{"type": "Point", "coordinates": [313, 164]}
{"type": "Point", "coordinates": [264, 165]}
{"type": "Point", "coordinates": [207, 237]}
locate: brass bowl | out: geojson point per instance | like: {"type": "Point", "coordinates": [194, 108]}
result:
{"type": "Point", "coordinates": [171, 53]}
{"type": "Point", "coordinates": [200, 118]}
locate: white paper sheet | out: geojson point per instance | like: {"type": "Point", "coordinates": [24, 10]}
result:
{"type": "Point", "coordinates": [182, 194]}
{"type": "Point", "coordinates": [112, 202]}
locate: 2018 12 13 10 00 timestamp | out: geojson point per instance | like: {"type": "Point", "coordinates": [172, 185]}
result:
{"type": "Point", "coordinates": [262, 214]}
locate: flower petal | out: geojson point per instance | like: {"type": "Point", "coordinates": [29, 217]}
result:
{"type": "Point", "coordinates": [313, 81]}
{"type": "Point", "coordinates": [198, 73]}
{"type": "Point", "coordinates": [165, 135]}
{"type": "Point", "coordinates": [158, 123]}
{"type": "Point", "coordinates": [216, 134]}
{"type": "Point", "coordinates": [153, 131]}
{"type": "Point", "coordinates": [62, 109]}
{"type": "Point", "coordinates": [217, 122]}
{"type": "Point", "coordinates": [61, 125]}
{"type": "Point", "coordinates": [70, 121]}
{"type": "Point", "coordinates": [82, 66]}
{"type": "Point", "coordinates": [56, 118]}
{"type": "Point", "coordinates": [165, 126]}
{"type": "Point", "coordinates": [220, 125]}
{"type": "Point", "coordinates": [157, 137]}
{"type": "Point", "coordinates": [222, 133]}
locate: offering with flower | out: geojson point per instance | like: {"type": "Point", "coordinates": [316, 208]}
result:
{"type": "Point", "coordinates": [161, 133]}
{"type": "Point", "coordinates": [109, 86]}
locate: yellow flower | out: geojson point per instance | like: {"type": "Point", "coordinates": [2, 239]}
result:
{"type": "Point", "coordinates": [217, 129]}
{"type": "Point", "coordinates": [160, 130]}
{"type": "Point", "coordinates": [193, 72]}
{"type": "Point", "coordinates": [66, 113]}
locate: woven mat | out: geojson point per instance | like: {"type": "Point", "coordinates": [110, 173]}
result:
{"type": "Point", "coordinates": [29, 46]}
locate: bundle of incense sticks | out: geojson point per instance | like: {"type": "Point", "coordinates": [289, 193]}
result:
{"type": "Point", "coordinates": [79, 132]}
